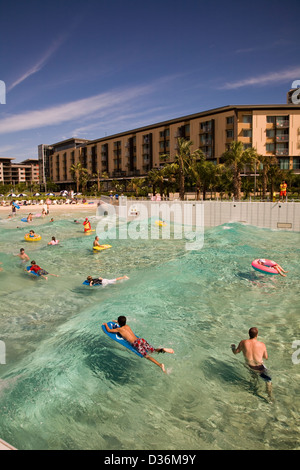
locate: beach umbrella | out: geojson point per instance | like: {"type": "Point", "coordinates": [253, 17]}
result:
{"type": "Point", "coordinates": [36, 194]}
{"type": "Point", "coordinates": [50, 194]}
{"type": "Point", "coordinates": [11, 195]}
{"type": "Point", "coordinates": [22, 195]}
{"type": "Point", "coordinates": [1, 195]}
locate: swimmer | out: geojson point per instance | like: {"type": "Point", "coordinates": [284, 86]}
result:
{"type": "Point", "coordinates": [29, 218]}
{"type": "Point", "coordinates": [255, 352]}
{"type": "Point", "coordinates": [96, 241]}
{"type": "Point", "coordinates": [52, 220]}
{"type": "Point", "coordinates": [1, 269]}
{"type": "Point", "coordinates": [276, 266]}
{"type": "Point", "coordinates": [32, 234]}
{"type": "Point", "coordinates": [53, 241]}
{"type": "Point", "coordinates": [76, 222]}
{"type": "Point", "coordinates": [104, 282]}
{"type": "Point", "coordinates": [22, 255]}
{"type": "Point", "coordinates": [139, 344]}
{"type": "Point", "coordinates": [41, 272]}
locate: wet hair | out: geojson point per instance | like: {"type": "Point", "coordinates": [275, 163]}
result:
{"type": "Point", "coordinates": [122, 320]}
{"type": "Point", "coordinates": [33, 262]}
{"type": "Point", "coordinates": [89, 278]}
{"type": "Point", "coordinates": [21, 249]}
{"type": "Point", "coordinates": [253, 332]}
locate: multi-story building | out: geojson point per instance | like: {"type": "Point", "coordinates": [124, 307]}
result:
{"type": "Point", "coordinates": [15, 173]}
{"type": "Point", "coordinates": [272, 130]}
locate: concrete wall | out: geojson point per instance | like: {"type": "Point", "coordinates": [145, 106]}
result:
{"type": "Point", "coordinates": [281, 216]}
{"type": "Point", "coordinates": [284, 216]}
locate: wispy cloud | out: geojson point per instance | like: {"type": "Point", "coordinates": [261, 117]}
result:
{"type": "Point", "coordinates": [264, 47]}
{"type": "Point", "coordinates": [266, 79]}
{"type": "Point", "coordinates": [40, 64]}
{"type": "Point", "coordinates": [73, 111]}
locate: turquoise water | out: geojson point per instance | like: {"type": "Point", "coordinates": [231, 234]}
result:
{"type": "Point", "coordinates": [65, 385]}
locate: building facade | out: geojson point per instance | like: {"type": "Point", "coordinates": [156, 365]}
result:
{"type": "Point", "coordinates": [15, 173]}
{"type": "Point", "coordinates": [273, 130]}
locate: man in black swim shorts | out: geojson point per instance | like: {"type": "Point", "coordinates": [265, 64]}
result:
{"type": "Point", "coordinates": [255, 352]}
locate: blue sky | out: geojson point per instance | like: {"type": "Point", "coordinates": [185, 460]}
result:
{"type": "Point", "coordinates": [98, 67]}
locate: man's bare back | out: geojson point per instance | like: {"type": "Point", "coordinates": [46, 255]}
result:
{"type": "Point", "coordinates": [254, 351]}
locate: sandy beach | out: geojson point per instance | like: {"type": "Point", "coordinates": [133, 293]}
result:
{"type": "Point", "coordinates": [53, 209]}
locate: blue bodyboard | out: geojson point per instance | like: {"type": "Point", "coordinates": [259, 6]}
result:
{"type": "Point", "coordinates": [118, 338]}
{"type": "Point", "coordinates": [86, 283]}
{"type": "Point", "coordinates": [32, 272]}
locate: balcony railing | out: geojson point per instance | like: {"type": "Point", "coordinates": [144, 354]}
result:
{"type": "Point", "coordinates": [282, 138]}
{"type": "Point", "coordinates": [282, 123]}
{"type": "Point", "coordinates": [282, 152]}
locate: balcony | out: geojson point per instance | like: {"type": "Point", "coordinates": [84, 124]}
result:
{"type": "Point", "coordinates": [282, 138]}
{"type": "Point", "coordinates": [282, 124]}
{"type": "Point", "coordinates": [282, 152]}
{"type": "Point", "coordinates": [205, 142]}
{"type": "Point", "coordinates": [206, 129]}
{"type": "Point", "coordinates": [119, 173]}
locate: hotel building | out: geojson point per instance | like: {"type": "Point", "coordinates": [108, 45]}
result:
{"type": "Point", "coordinates": [15, 173]}
{"type": "Point", "coordinates": [273, 130]}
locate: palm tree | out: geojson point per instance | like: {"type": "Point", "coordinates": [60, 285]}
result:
{"type": "Point", "coordinates": [76, 170]}
{"type": "Point", "coordinates": [237, 158]}
{"type": "Point", "coordinates": [155, 178]}
{"type": "Point", "coordinates": [183, 159]}
{"type": "Point", "coordinates": [136, 185]}
{"type": "Point", "coordinates": [267, 162]}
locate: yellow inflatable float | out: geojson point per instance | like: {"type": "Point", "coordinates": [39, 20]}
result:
{"type": "Point", "coordinates": [32, 238]}
{"type": "Point", "coordinates": [101, 247]}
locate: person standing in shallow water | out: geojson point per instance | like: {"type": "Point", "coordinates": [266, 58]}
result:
{"type": "Point", "coordinates": [255, 352]}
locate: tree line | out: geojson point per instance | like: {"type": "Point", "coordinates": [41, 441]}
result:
{"type": "Point", "coordinates": [191, 171]}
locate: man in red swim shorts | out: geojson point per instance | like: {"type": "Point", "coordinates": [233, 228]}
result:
{"type": "Point", "coordinates": [139, 344]}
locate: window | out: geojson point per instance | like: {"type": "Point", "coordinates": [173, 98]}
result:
{"type": "Point", "coordinates": [247, 119]}
{"type": "Point", "coordinates": [296, 163]}
{"type": "Point", "coordinates": [284, 163]}
{"type": "Point", "coordinates": [271, 119]}
{"type": "Point", "coordinates": [229, 134]}
{"type": "Point", "coordinates": [229, 120]}
{"type": "Point", "coordinates": [247, 133]}
{"type": "Point", "coordinates": [270, 133]}
{"type": "Point", "coordinates": [270, 148]}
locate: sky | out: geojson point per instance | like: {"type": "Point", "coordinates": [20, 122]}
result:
{"type": "Point", "coordinates": [94, 68]}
